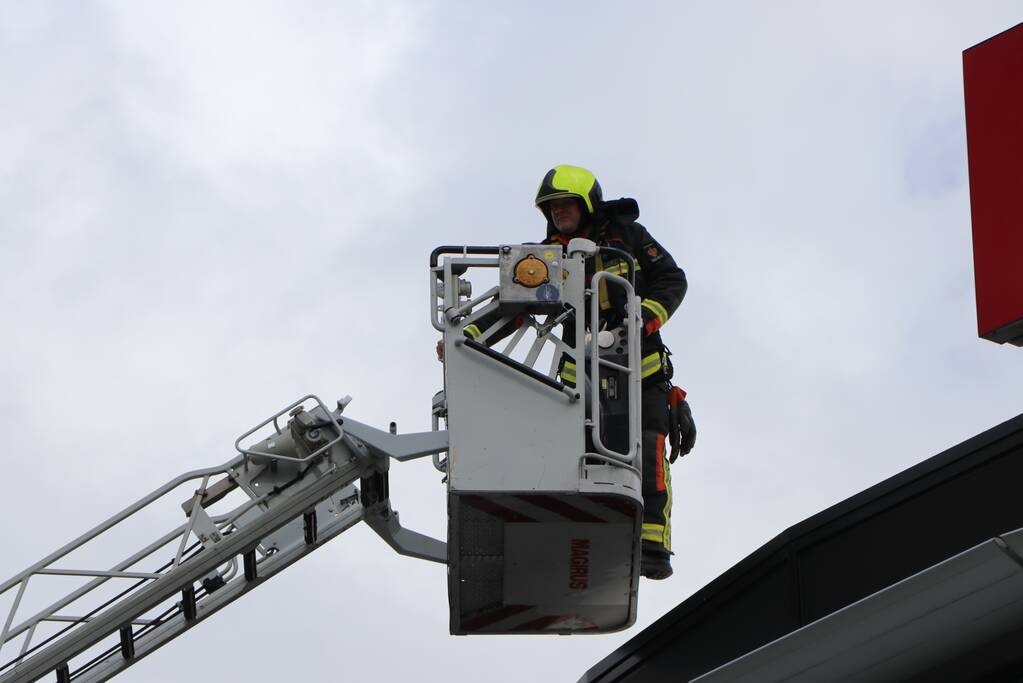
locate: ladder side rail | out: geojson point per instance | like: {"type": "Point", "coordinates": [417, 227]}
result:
{"type": "Point", "coordinates": [73, 621]}
{"type": "Point", "coordinates": [32, 623]}
{"type": "Point", "coordinates": [239, 542]}
{"type": "Point", "coordinates": [67, 618]}
{"type": "Point", "coordinates": [225, 522]}
{"type": "Point", "coordinates": [117, 518]}
{"type": "Point", "coordinates": [98, 572]}
{"type": "Point", "coordinates": [42, 565]}
{"type": "Point", "coordinates": [159, 635]}
{"type": "Point", "coordinates": [46, 613]}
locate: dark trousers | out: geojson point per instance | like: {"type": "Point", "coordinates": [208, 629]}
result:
{"type": "Point", "coordinates": [656, 475]}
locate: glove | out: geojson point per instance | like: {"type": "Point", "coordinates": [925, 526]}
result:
{"type": "Point", "coordinates": [682, 433]}
{"type": "Point", "coordinates": [651, 323]}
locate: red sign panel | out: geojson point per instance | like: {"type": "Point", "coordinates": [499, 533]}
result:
{"type": "Point", "coordinates": [993, 78]}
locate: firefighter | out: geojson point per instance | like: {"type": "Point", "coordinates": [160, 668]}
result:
{"type": "Point", "coordinates": [570, 199]}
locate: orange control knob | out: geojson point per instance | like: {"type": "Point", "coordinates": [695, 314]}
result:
{"type": "Point", "coordinates": [531, 272]}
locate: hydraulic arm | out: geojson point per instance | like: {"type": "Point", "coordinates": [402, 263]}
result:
{"type": "Point", "coordinates": [248, 519]}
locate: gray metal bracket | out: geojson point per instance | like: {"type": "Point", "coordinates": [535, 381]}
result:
{"type": "Point", "coordinates": [384, 521]}
{"type": "Point", "coordinates": [400, 447]}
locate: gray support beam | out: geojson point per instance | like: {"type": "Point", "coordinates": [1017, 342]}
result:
{"type": "Point", "coordinates": [398, 446]}
{"type": "Point", "coordinates": [384, 521]}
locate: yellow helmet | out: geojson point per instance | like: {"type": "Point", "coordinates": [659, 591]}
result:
{"type": "Point", "coordinates": [569, 181]}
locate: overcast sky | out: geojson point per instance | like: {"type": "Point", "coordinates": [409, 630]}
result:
{"type": "Point", "coordinates": [208, 210]}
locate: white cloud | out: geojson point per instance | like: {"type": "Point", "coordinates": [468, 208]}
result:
{"type": "Point", "coordinates": [237, 87]}
{"type": "Point", "coordinates": [210, 210]}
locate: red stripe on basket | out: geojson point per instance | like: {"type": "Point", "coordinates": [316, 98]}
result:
{"type": "Point", "coordinates": [491, 508]}
{"type": "Point", "coordinates": [623, 507]}
{"type": "Point", "coordinates": [562, 508]}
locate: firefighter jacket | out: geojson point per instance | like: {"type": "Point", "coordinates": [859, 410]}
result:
{"type": "Point", "coordinates": [660, 284]}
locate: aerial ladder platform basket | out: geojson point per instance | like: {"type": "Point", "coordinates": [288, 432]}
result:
{"type": "Point", "coordinates": [543, 477]}
{"type": "Point", "coordinates": [544, 516]}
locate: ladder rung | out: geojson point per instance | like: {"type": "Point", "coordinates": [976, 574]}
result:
{"type": "Point", "coordinates": [249, 560]}
{"type": "Point", "coordinates": [127, 643]}
{"type": "Point", "coordinates": [309, 527]}
{"type": "Point", "coordinates": [188, 602]}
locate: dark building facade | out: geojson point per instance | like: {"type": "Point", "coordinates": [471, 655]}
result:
{"type": "Point", "coordinates": [889, 532]}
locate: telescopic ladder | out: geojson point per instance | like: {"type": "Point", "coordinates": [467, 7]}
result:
{"type": "Point", "coordinates": [247, 520]}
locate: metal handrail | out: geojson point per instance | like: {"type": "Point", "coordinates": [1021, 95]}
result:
{"type": "Point", "coordinates": [442, 272]}
{"type": "Point", "coordinates": [631, 314]}
{"type": "Point", "coordinates": [248, 452]}
{"type": "Point", "coordinates": [120, 517]}
{"type": "Point", "coordinates": [43, 567]}
{"type": "Point", "coordinates": [606, 460]}
{"type": "Point", "coordinates": [442, 275]}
